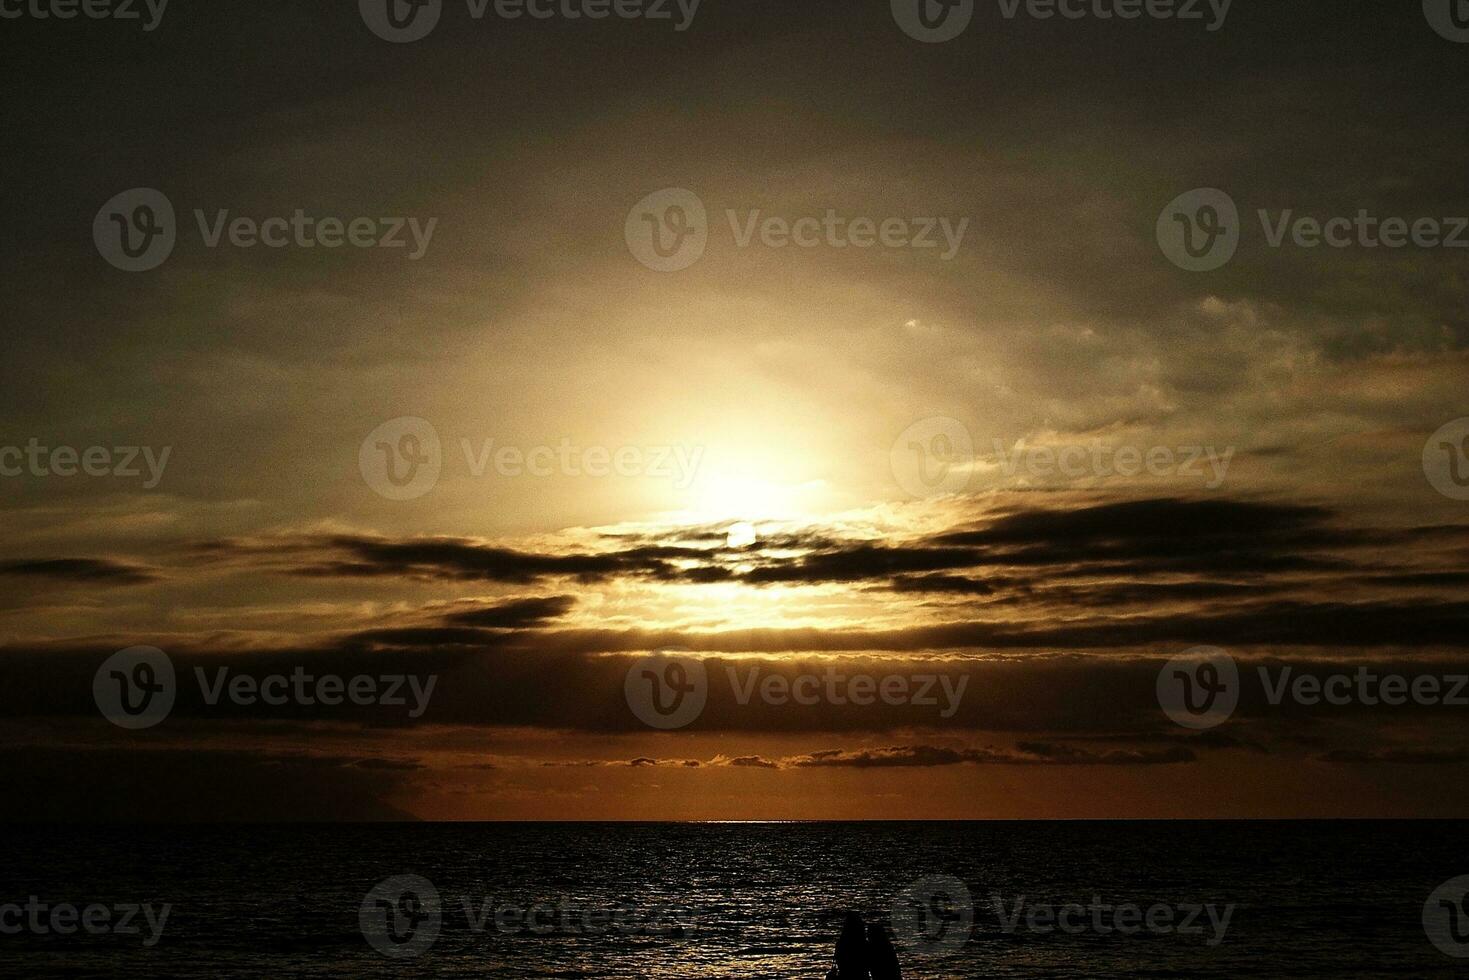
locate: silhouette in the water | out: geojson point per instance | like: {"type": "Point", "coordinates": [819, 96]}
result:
{"type": "Point", "coordinates": [864, 953]}
{"type": "Point", "coordinates": [880, 950]}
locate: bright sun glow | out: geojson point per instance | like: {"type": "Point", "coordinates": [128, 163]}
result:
{"type": "Point", "coordinates": [721, 496]}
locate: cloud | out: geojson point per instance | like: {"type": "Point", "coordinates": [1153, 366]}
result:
{"type": "Point", "coordinates": [927, 756]}
{"type": "Point", "coordinates": [1142, 553]}
{"type": "Point", "coordinates": [85, 785]}
{"type": "Point", "coordinates": [516, 614]}
{"type": "Point", "coordinates": [389, 765]}
{"type": "Point", "coordinates": [1423, 756]}
{"type": "Point", "coordinates": [83, 571]}
{"type": "Point", "coordinates": [1024, 754]}
{"type": "Point", "coordinates": [464, 560]}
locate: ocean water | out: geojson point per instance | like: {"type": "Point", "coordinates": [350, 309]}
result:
{"type": "Point", "coordinates": [664, 901]}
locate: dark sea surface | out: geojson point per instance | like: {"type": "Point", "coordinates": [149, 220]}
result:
{"type": "Point", "coordinates": [1311, 899]}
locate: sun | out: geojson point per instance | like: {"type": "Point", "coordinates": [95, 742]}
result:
{"type": "Point", "coordinates": [742, 535]}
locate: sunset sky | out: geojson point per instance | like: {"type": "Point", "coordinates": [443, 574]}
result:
{"type": "Point", "coordinates": [793, 494]}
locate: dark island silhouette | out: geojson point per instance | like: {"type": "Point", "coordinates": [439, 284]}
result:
{"type": "Point", "coordinates": [864, 952]}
